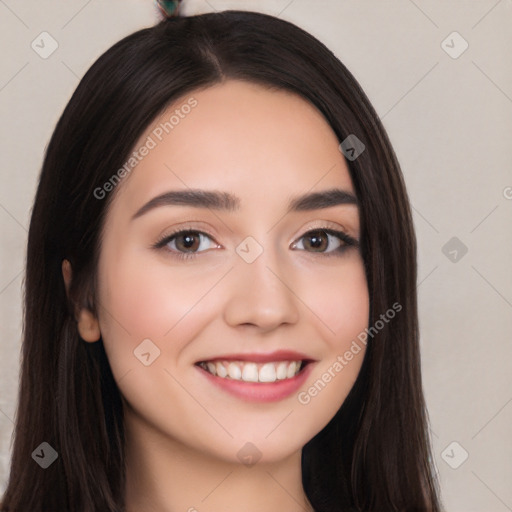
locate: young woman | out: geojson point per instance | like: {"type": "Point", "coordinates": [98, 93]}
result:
{"type": "Point", "coordinates": [220, 305]}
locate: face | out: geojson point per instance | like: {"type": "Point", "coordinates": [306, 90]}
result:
{"type": "Point", "coordinates": [246, 288]}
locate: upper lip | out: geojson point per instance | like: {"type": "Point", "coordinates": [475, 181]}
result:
{"type": "Point", "coordinates": [260, 357]}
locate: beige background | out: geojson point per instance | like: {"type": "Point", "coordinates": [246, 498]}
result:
{"type": "Point", "coordinates": [450, 120]}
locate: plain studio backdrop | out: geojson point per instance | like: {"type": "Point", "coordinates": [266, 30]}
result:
{"type": "Point", "coordinates": [440, 76]}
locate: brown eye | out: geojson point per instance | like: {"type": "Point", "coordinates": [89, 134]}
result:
{"type": "Point", "coordinates": [189, 241]}
{"type": "Point", "coordinates": [319, 240]}
{"type": "Point", "coordinates": [185, 242]}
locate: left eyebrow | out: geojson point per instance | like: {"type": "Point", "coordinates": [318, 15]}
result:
{"type": "Point", "coordinates": [226, 201]}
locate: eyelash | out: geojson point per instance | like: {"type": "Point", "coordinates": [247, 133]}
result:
{"type": "Point", "coordinates": [347, 240]}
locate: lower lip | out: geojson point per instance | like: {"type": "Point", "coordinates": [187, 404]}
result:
{"type": "Point", "coordinates": [260, 391]}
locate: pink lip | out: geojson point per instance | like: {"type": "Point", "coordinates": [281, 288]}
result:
{"type": "Point", "coordinates": [260, 391]}
{"type": "Point", "coordinates": [269, 357]}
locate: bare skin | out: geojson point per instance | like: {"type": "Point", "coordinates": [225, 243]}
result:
{"type": "Point", "coordinates": [184, 434]}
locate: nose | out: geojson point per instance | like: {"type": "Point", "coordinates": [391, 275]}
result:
{"type": "Point", "coordinates": [261, 294]}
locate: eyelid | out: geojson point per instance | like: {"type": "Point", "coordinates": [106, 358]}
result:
{"type": "Point", "coordinates": [196, 226]}
{"type": "Point", "coordinates": [165, 239]}
{"type": "Point", "coordinates": [327, 224]}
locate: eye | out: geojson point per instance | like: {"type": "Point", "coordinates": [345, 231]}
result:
{"type": "Point", "coordinates": [320, 239]}
{"type": "Point", "coordinates": [187, 243]}
{"type": "Point", "coordinates": [184, 243]}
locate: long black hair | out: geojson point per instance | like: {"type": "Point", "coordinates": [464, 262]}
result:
{"type": "Point", "coordinates": [375, 453]}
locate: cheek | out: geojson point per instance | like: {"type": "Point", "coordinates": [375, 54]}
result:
{"type": "Point", "coordinates": [142, 301]}
{"type": "Point", "coordinates": [342, 304]}
{"type": "Point", "coordinates": [340, 300]}
{"type": "Point", "coordinates": [142, 297]}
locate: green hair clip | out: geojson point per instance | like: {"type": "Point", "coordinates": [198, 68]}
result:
{"type": "Point", "coordinates": [169, 8]}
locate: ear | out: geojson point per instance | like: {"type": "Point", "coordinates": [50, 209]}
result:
{"type": "Point", "coordinates": [87, 324]}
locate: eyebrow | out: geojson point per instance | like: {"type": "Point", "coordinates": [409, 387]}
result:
{"type": "Point", "coordinates": [224, 201]}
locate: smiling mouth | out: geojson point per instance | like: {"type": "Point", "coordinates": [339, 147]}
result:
{"type": "Point", "coordinates": [247, 371]}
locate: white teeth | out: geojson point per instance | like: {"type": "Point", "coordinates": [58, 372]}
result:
{"type": "Point", "coordinates": [234, 371]}
{"type": "Point", "coordinates": [291, 369]}
{"type": "Point", "coordinates": [253, 372]}
{"type": "Point", "coordinates": [267, 373]}
{"type": "Point", "coordinates": [211, 368]}
{"type": "Point", "coordinates": [221, 370]}
{"type": "Point", "coordinates": [250, 372]}
{"type": "Point", "coordinates": [281, 372]}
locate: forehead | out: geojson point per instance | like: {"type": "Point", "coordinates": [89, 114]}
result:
{"type": "Point", "coordinates": [260, 144]}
